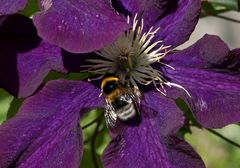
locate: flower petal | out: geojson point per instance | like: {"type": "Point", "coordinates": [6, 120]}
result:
{"type": "Point", "coordinates": [177, 26]}
{"type": "Point", "coordinates": [181, 154]}
{"type": "Point", "coordinates": [215, 92]}
{"type": "Point", "coordinates": [64, 150]}
{"type": "Point", "coordinates": [149, 10]}
{"type": "Point", "coordinates": [79, 26]}
{"type": "Point", "coordinates": [146, 145]}
{"type": "Point", "coordinates": [208, 51]}
{"type": "Point", "coordinates": [8, 7]}
{"type": "Point", "coordinates": [45, 132]}
{"type": "Point", "coordinates": [232, 62]}
{"type": "Point", "coordinates": [214, 95]}
{"type": "Point", "coordinates": [138, 147]}
{"type": "Point", "coordinates": [170, 118]}
{"type": "Point", "coordinates": [24, 58]}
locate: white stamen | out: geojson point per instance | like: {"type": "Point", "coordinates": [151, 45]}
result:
{"type": "Point", "coordinates": [178, 86]}
{"type": "Point", "coordinates": [130, 58]}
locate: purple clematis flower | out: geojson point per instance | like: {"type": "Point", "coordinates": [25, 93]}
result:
{"type": "Point", "coordinates": [9, 7]}
{"type": "Point", "coordinates": [46, 133]}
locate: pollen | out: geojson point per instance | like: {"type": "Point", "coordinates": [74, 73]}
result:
{"type": "Point", "coordinates": [130, 58]}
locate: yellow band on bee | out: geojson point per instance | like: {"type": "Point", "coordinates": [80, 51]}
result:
{"type": "Point", "coordinates": [108, 79]}
{"type": "Point", "coordinates": [113, 95]}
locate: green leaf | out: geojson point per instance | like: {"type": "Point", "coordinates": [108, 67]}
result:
{"type": "Point", "coordinates": [189, 119]}
{"type": "Point", "coordinates": [52, 75]}
{"type": "Point", "coordinates": [87, 159]}
{"type": "Point", "coordinates": [5, 100]}
{"type": "Point", "coordinates": [78, 76]}
{"type": "Point", "coordinates": [229, 4]}
{"type": "Point", "coordinates": [31, 8]}
{"type": "Point", "coordinates": [214, 7]}
{"type": "Point", "coordinates": [102, 138]}
{"type": "Point", "coordinates": [187, 112]}
{"type": "Point", "coordinates": [184, 130]}
{"type": "Point", "coordinates": [15, 105]}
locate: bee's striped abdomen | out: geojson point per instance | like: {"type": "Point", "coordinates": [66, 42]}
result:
{"type": "Point", "coordinates": [121, 102]}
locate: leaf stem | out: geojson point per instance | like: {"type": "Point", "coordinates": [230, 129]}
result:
{"type": "Point", "coordinates": [99, 132]}
{"type": "Point", "coordinates": [227, 18]}
{"type": "Point", "coordinates": [92, 122]}
{"type": "Point", "coordinates": [223, 137]}
{"type": "Point", "coordinates": [205, 13]}
{"type": "Point", "coordinates": [93, 144]}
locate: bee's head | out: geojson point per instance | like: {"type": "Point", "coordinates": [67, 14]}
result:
{"type": "Point", "coordinates": [109, 84]}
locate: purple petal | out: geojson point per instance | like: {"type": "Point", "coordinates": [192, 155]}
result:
{"type": "Point", "coordinates": [8, 7]}
{"type": "Point", "coordinates": [33, 66]}
{"type": "Point", "coordinates": [231, 63]}
{"type": "Point", "coordinates": [170, 118]}
{"type": "Point", "coordinates": [214, 95]}
{"type": "Point", "coordinates": [177, 26]}
{"type": "Point", "coordinates": [79, 26]}
{"type": "Point", "coordinates": [65, 150]}
{"type": "Point", "coordinates": [208, 51]}
{"type": "Point", "coordinates": [149, 10]}
{"type": "Point", "coordinates": [138, 147]}
{"type": "Point", "coordinates": [215, 92]}
{"type": "Point", "coordinates": [181, 154]}
{"type": "Point", "coordinates": [145, 145]}
{"type": "Point", "coordinates": [24, 58]}
{"type": "Point", "coordinates": [45, 132]}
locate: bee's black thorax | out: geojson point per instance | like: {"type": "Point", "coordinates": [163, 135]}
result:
{"type": "Point", "coordinates": [110, 86]}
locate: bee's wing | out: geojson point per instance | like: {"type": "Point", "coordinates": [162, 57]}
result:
{"type": "Point", "coordinates": [110, 115]}
{"type": "Point", "coordinates": [135, 96]}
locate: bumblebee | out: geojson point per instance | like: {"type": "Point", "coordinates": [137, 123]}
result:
{"type": "Point", "coordinates": [122, 102]}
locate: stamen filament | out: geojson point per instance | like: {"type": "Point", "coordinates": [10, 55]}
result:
{"type": "Point", "coordinates": [130, 58]}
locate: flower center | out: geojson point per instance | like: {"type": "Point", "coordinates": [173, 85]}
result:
{"type": "Point", "coordinates": [130, 58]}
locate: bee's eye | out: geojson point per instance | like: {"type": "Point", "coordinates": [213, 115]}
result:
{"type": "Point", "coordinates": [110, 86]}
